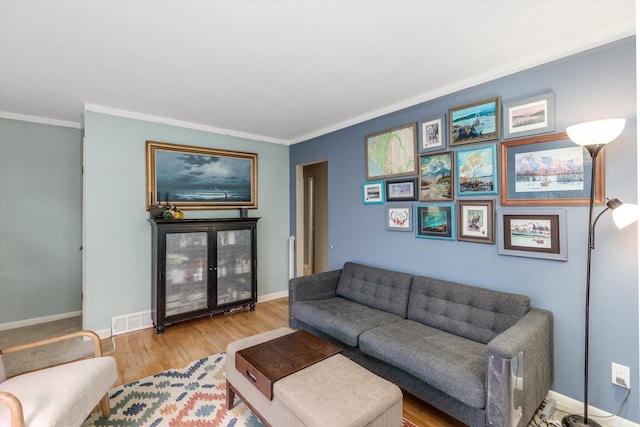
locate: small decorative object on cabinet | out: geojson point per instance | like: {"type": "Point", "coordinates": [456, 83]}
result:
{"type": "Point", "coordinates": [201, 267]}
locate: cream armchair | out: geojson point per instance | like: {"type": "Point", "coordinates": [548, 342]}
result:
{"type": "Point", "coordinates": [62, 395]}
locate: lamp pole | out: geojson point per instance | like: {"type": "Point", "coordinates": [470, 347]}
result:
{"type": "Point", "coordinates": [583, 420]}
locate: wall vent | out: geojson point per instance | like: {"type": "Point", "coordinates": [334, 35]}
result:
{"type": "Point", "coordinates": [131, 322]}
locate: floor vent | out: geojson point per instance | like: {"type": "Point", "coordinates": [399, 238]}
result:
{"type": "Point", "coordinates": [131, 322]}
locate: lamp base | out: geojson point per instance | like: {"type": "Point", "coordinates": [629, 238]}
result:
{"type": "Point", "coordinates": [578, 421]}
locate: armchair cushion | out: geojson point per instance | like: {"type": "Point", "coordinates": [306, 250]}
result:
{"type": "Point", "coordinates": [67, 393]}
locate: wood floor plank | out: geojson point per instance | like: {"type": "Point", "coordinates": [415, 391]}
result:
{"type": "Point", "coordinates": [143, 353]}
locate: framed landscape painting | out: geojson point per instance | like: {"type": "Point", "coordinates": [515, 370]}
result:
{"type": "Point", "coordinates": [392, 152]}
{"type": "Point", "coordinates": [530, 116]}
{"type": "Point", "coordinates": [475, 122]}
{"type": "Point", "coordinates": [477, 171]}
{"type": "Point", "coordinates": [402, 190]}
{"type": "Point", "coordinates": [548, 170]}
{"type": "Point", "coordinates": [435, 221]}
{"type": "Point", "coordinates": [373, 192]}
{"type": "Point", "coordinates": [436, 177]}
{"type": "Point", "coordinates": [200, 178]}
{"type": "Point", "coordinates": [536, 233]}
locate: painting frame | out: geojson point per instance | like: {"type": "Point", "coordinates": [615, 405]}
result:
{"type": "Point", "coordinates": [425, 214]}
{"type": "Point", "coordinates": [373, 192]}
{"type": "Point", "coordinates": [176, 174]}
{"type": "Point", "coordinates": [432, 188]}
{"type": "Point", "coordinates": [407, 153]}
{"type": "Point", "coordinates": [433, 135]}
{"type": "Point", "coordinates": [512, 195]}
{"type": "Point", "coordinates": [399, 218]}
{"type": "Point", "coordinates": [520, 121]}
{"type": "Point", "coordinates": [469, 163]}
{"type": "Point", "coordinates": [476, 221]}
{"type": "Point", "coordinates": [401, 190]}
{"type": "Point", "coordinates": [485, 113]}
{"type": "Point", "coordinates": [515, 242]}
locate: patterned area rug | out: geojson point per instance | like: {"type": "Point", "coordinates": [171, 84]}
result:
{"type": "Point", "coordinates": [193, 396]}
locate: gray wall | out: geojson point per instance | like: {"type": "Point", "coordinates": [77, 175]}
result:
{"type": "Point", "coordinates": [40, 230]}
{"type": "Point", "coordinates": [593, 85]}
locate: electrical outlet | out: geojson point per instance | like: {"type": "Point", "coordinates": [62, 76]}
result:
{"type": "Point", "coordinates": [621, 375]}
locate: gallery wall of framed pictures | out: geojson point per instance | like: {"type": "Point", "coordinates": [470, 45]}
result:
{"type": "Point", "coordinates": [481, 173]}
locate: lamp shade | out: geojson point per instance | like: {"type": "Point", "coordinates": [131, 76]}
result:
{"type": "Point", "coordinates": [596, 132]}
{"type": "Point", "coordinates": [625, 214]}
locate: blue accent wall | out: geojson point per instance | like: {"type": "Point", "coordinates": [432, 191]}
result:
{"type": "Point", "coordinates": [597, 84]}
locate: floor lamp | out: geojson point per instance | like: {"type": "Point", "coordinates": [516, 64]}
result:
{"type": "Point", "coordinates": [593, 136]}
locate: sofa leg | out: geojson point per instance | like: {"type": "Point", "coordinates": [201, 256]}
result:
{"type": "Point", "coordinates": [104, 405]}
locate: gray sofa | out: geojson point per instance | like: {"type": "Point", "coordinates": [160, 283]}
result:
{"type": "Point", "coordinates": [485, 357]}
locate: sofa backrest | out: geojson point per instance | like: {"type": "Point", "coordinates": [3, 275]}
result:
{"type": "Point", "coordinates": [375, 287]}
{"type": "Point", "coordinates": [468, 311]}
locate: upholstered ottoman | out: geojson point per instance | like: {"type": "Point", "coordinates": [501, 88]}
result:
{"type": "Point", "coordinates": [334, 392]}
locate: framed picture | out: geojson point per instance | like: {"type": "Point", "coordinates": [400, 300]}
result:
{"type": "Point", "coordinates": [433, 135]}
{"type": "Point", "coordinates": [530, 116]}
{"type": "Point", "coordinates": [477, 171]}
{"type": "Point", "coordinates": [533, 233]}
{"type": "Point", "coordinates": [402, 190]}
{"type": "Point", "coordinates": [200, 178]}
{"type": "Point", "coordinates": [392, 152]}
{"type": "Point", "coordinates": [373, 192]}
{"type": "Point", "coordinates": [476, 221]}
{"type": "Point", "coordinates": [475, 122]}
{"type": "Point", "coordinates": [548, 170]}
{"type": "Point", "coordinates": [436, 177]}
{"type": "Point", "coordinates": [436, 221]}
{"type": "Point", "coordinates": [399, 218]}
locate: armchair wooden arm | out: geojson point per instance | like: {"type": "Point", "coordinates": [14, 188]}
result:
{"type": "Point", "coordinates": [15, 408]}
{"type": "Point", "coordinates": [97, 344]}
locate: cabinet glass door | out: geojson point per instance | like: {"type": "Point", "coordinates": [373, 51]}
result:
{"type": "Point", "coordinates": [186, 273]}
{"type": "Point", "coordinates": [234, 266]}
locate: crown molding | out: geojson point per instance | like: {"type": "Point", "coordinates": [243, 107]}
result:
{"type": "Point", "coordinates": [41, 120]}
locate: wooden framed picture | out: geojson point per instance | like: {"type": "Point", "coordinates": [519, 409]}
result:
{"type": "Point", "coordinates": [477, 171]}
{"type": "Point", "coordinates": [533, 233]}
{"type": "Point", "coordinates": [373, 192]}
{"type": "Point", "coordinates": [402, 190]}
{"type": "Point", "coordinates": [475, 122]}
{"type": "Point", "coordinates": [548, 170]}
{"type": "Point", "coordinates": [392, 152]}
{"type": "Point", "coordinates": [399, 218]}
{"type": "Point", "coordinates": [200, 178]}
{"type": "Point", "coordinates": [531, 116]}
{"type": "Point", "coordinates": [436, 177]}
{"type": "Point", "coordinates": [476, 221]}
{"type": "Point", "coordinates": [433, 135]}
{"type": "Point", "coordinates": [435, 221]}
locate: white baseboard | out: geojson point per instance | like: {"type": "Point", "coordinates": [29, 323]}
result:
{"type": "Point", "coordinates": [272, 296]}
{"type": "Point", "coordinates": [38, 320]}
{"type": "Point", "coordinates": [576, 407]}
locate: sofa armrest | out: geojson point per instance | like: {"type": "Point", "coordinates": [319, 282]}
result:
{"type": "Point", "coordinates": [315, 286]}
{"type": "Point", "coordinates": [526, 352]}
{"type": "Point", "coordinates": [15, 408]}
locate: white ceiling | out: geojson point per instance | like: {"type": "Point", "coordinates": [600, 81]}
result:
{"type": "Point", "coordinates": [278, 71]}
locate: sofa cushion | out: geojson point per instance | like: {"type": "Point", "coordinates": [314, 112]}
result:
{"type": "Point", "coordinates": [452, 364]}
{"type": "Point", "coordinates": [340, 318]}
{"type": "Point", "coordinates": [378, 288]}
{"type": "Point", "coordinates": [468, 311]}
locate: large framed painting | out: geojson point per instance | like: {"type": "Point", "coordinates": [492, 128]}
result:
{"type": "Point", "coordinates": [475, 122]}
{"type": "Point", "coordinates": [436, 221]}
{"type": "Point", "coordinates": [548, 170]}
{"type": "Point", "coordinates": [200, 178]}
{"type": "Point", "coordinates": [392, 152]}
{"type": "Point", "coordinates": [534, 233]}
{"type": "Point", "coordinates": [436, 177]}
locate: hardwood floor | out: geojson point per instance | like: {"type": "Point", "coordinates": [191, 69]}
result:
{"type": "Point", "coordinates": [143, 353]}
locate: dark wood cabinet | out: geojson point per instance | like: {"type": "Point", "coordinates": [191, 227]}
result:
{"type": "Point", "coordinates": [201, 267]}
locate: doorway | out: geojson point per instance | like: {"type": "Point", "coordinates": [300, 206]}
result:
{"type": "Point", "coordinates": [312, 218]}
